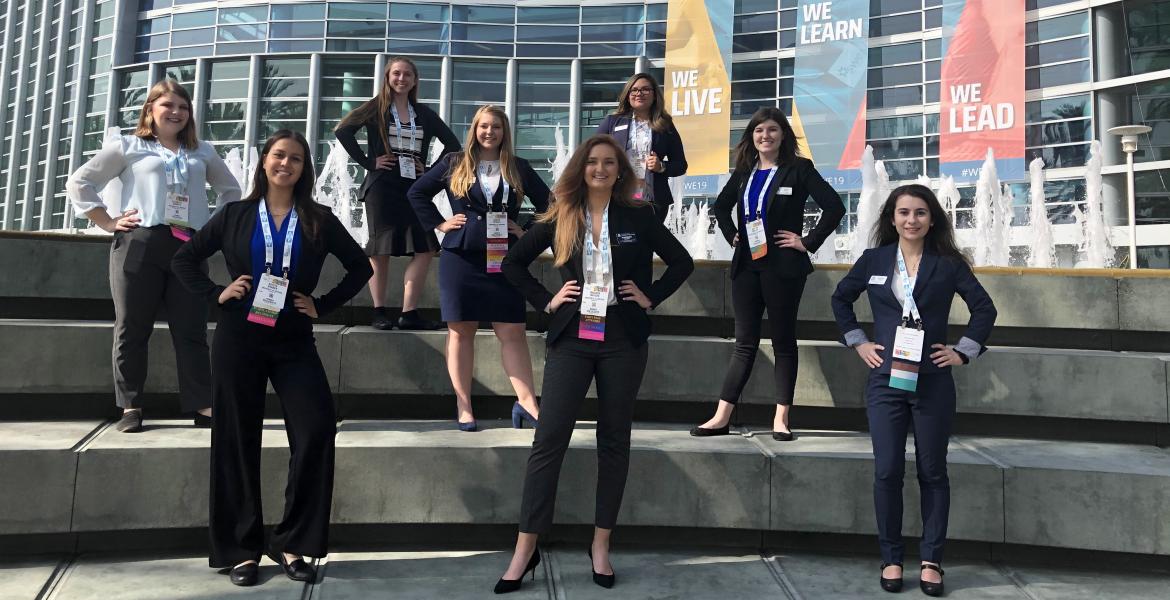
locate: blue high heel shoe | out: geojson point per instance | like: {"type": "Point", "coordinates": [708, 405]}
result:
{"type": "Point", "coordinates": [519, 416]}
{"type": "Point", "coordinates": [468, 426]}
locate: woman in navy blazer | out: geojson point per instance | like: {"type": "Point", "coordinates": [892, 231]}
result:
{"type": "Point", "coordinates": [471, 290]}
{"type": "Point", "coordinates": [643, 127]}
{"type": "Point", "coordinates": [912, 225]}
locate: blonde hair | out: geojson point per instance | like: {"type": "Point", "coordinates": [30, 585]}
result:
{"type": "Point", "coordinates": [570, 196]}
{"type": "Point", "coordinates": [463, 171]}
{"type": "Point", "coordinates": [145, 129]}
{"type": "Point", "coordinates": [378, 107]}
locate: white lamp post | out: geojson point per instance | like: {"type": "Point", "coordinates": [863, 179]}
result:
{"type": "Point", "coordinates": [1129, 141]}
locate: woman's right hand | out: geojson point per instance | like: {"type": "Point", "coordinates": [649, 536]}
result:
{"type": "Point", "coordinates": [386, 161]}
{"type": "Point", "coordinates": [127, 222]}
{"type": "Point", "coordinates": [870, 354]}
{"type": "Point", "coordinates": [237, 290]}
{"type": "Point", "coordinates": [568, 293]}
{"type": "Point", "coordinates": [456, 221]}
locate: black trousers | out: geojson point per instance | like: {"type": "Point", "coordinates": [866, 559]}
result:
{"type": "Point", "coordinates": [930, 411]}
{"type": "Point", "coordinates": [751, 292]}
{"type": "Point", "coordinates": [571, 364]}
{"type": "Point", "coordinates": [141, 282]}
{"type": "Point", "coordinates": [246, 357]}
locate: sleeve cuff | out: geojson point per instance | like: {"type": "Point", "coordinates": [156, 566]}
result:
{"type": "Point", "coordinates": [969, 348]}
{"type": "Point", "coordinates": [855, 338]}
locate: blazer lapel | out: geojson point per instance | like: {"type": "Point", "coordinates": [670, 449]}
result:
{"type": "Point", "coordinates": [475, 194]}
{"type": "Point", "coordinates": [775, 202]}
{"type": "Point", "coordinates": [925, 269]}
{"type": "Point", "coordinates": [622, 135]}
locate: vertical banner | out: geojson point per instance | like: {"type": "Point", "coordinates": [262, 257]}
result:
{"type": "Point", "coordinates": [698, 80]}
{"type": "Point", "coordinates": [982, 95]}
{"type": "Point", "coordinates": [828, 104]}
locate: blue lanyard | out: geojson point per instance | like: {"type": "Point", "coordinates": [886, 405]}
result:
{"type": "Point", "coordinates": [753, 210]}
{"type": "Point", "coordinates": [175, 165]}
{"type": "Point", "coordinates": [487, 193]}
{"type": "Point", "coordinates": [398, 126]}
{"type": "Point", "coordinates": [591, 248]}
{"type": "Point", "coordinates": [288, 239]}
{"type": "Point", "coordinates": [909, 307]}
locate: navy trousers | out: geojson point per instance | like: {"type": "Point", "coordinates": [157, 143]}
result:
{"type": "Point", "coordinates": [892, 412]}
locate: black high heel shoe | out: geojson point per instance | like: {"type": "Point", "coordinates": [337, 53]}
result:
{"type": "Point", "coordinates": [605, 581]}
{"type": "Point", "coordinates": [891, 585]}
{"type": "Point", "coordinates": [504, 586]}
{"type": "Point", "coordinates": [297, 570]}
{"type": "Point", "coordinates": [928, 588]}
{"type": "Point", "coordinates": [245, 574]}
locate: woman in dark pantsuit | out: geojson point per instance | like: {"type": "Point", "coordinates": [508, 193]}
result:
{"type": "Point", "coordinates": [485, 184]}
{"type": "Point", "coordinates": [768, 188]}
{"type": "Point", "coordinates": [603, 239]}
{"type": "Point", "coordinates": [911, 277]}
{"type": "Point", "coordinates": [276, 239]}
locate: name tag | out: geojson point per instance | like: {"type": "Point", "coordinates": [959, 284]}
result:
{"type": "Point", "coordinates": [784, 191]}
{"type": "Point", "coordinates": [269, 300]}
{"type": "Point", "coordinates": [406, 166]}
{"type": "Point", "coordinates": [638, 161]}
{"type": "Point", "coordinates": [497, 225]}
{"type": "Point", "coordinates": [877, 280]}
{"type": "Point", "coordinates": [178, 210]}
{"type": "Point", "coordinates": [621, 127]}
{"type": "Point", "coordinates": [626, 238]}
{"type": "Point", "coordinates": [497, 244]}
{"type": "Point", "coordinates": [908, 344]}
{"type": "Point", "coordinates": [594, 301]}
{"type": "Point", "coordinates": [757, 239]}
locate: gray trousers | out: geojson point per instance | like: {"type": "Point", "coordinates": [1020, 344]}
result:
{"type": "Point", "coordinates": [141, 282]}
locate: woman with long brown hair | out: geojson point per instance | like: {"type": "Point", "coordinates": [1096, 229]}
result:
{"type": "Point", "coordinates": [642, 126]}
{"type": "Point", "coordinates": [274, 243]}
{"type": "Point", "coordinates": [164, 170]}
{"type": "Point", "coordinates": [399, 131]}
{"type": "Point", "coordinates": [603, 237]}
{"type": "Point", "coordinates": [485, 183]}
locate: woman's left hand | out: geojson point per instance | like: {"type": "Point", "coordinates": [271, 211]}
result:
{"type": "Point", "coordinates": [654, 164]}
{"type": "Point", "coordinates": [419, 167]}
{"type": "Point", "coordinates": [305, 305]}
{"type": "Point", "coordinates": [515, 229]}
{"type": "Point", "coordinates": [945, 356]}
{"type": "Point", "coordinates": [787, 239]}
{"type": "Point", "coordinates": [629, 291]}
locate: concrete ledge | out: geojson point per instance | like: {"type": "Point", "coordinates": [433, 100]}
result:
{"type": "Point", "coordinates": [38, 468]}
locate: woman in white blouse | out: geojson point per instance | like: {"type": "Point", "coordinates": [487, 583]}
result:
{"type": "Point", "coordinates": [164, 171]}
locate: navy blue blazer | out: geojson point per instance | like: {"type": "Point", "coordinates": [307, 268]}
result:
{"type": "Point", "coordinates": [939, 279]}
{"type": "Point", "coordinates": [669, 148]}
{"type": "Point", "coordinates": [473, 234]}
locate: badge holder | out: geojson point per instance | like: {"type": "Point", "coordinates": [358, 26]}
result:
{"type": "Point", "coordinates": [907, 355]}
{"type": "Point", "coordinates": [406, 166]}
{"type": "Point", "coordinates": [497, 240]}
{"type": "Point", "coordinates": [757, 239]}
{"type": "Point", "coordinates": [594, 301]}
{"type": "Point", "coordinates": [272, 291]}
{"type": "Point", "coordinates": [178, 215]}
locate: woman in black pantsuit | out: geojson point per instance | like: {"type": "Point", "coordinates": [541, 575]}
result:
{"type": "Point", "coordinates": [602, 240]}
{"type": "Point", "coordinates": [399, 131]}
{"type": "Point", "coordinates": [769, 187]}
{"type": "Point", "coordinates": [472, 288]}
{"type": "Point", "coordinates": [277, 237]}
{"type": "Point", "coordinates": [917, 258]}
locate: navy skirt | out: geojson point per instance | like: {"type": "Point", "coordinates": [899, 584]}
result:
{"type": "Point", "coordinates": [467, 292]}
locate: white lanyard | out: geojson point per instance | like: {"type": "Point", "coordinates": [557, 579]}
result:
{"type": "Point", "coordinates": [909, 307]}
{"type": "Point", "coordinates": [288, 239]}
{"type": "Point", "coordinates": [752, 211]}
{"type": "Point", "coordinates": [488, 195]}
{"type": "Point", "coordinates": [175, 166]}
{"type": "Point", "coordinates": [398, 126]}
{"type": "Point", "coordinates": [591, 248]}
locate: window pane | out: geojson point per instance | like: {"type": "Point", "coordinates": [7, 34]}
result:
{"type": "Point", "coordinates": [298, 12]}
{"type": "Point", "coordinates": [424, 12]}
{"type": "Point", "coordinates": [362, 11]}
{"type": "Point", "coordinates": [1077, 72]}
{"type": "Point", "coordinates": [192, 19]}
{"type": "Point", "coordinates": [545, 33]}
{"type": "Point", "coordinates": [758, 42]}
{"type": "Point", "coordinates": [1067, 107]}
{"type": "Point", "coordinates": [481, 33]}
{"type": "Point", "coordinates": [191, 37]}
{"type": "Point", "coordinates": [893, 127]}
{"type": "Point", "coordinates": [764, 69]}
{"type": "Point", "coordinates": [254, 14]}
{"type": "Point", "coordinates": [241, 33]}
{"type": "Point", "coordinates": [630, 13]}
{"type": "Point", "coordinates": [892, 55]}
{"type": "Point", "coordinates": [483, 14]}
{"type": "Point", "coordinates": [1057, 27]}
{"type": "Point", "coordinates": [366, 29]}
{"type": "Point", "coordinates": [901, 75]}
{"type": "Point", "coordinates": [307, 29]}
{"type": "Point", "coordinates": [904, 96]}
{"type": "Point", "coordinates": [418, 31]}
{"type": "Point", "coordinates": [543, 15]}
{"type": "Point", "coordinates": [1059, 133]}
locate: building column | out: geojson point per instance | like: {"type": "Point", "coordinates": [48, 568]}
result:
{"type": "Point", "coordinates": [575, 103]}
{"type": "Point", "coordinates": [125, 31]}
{"type": "Point", "coordinates": [199, 94]}
{"type": "Point", "coordinates": [379, 72]}
{"type": "Point", "coordinates": [77, 134]}
{"type": "Point", "coordinates": [54, 96]}
{"type": "Point", "coordinates": [313, 110]}
{"type": "Point", "coordinates": [21, 104]}
{"type": "Point", "coordinates": [5, 56]}
{"type": "Point", "coordinates": [445, 74]}
{"type": "Point", "coordinates": [510, 90]}
{"type": "Point", "coordinates": [1110, 42]}
{"type": "Point", "coordinates": [1111, 111]}
{"type": "Point", "coordinates": [252, 116]}
{"type": "Point", "coordinates": [641, 65]}
{"type": "Point", "coordinates": [154, 74]}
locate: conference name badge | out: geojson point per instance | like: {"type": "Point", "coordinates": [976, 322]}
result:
{"type": "Point", "coordinates": [406, 166]}
{"type": "Point", "coordinates": [757, 239]}
{"type": "Point", "coordinates": [594, 301]}
{"type": "Point", "coordinates": [908, 344]}
{"type": "Point", "coordinates": [639, 164]}
{"type": "Point", "coordinates": [497, 240]}
{"type": "Point", "coordinates": [269, 300]}
{"type": "Point", "coordinates": [178, 215]}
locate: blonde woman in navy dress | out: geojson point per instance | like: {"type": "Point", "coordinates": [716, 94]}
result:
{"type": "Point", "coordinates": [486, 183]}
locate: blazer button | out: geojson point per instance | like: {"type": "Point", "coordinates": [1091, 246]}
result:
{"type": "Point", "coordinates": [479, 218]}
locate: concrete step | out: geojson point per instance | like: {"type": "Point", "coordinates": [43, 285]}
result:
{"type": "Point", "coordinates": [73, 357]}
{"type": "Point", "coordinates": [84, 477]}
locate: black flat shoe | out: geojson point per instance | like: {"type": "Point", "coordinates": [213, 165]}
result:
{"type": "Point", "coordinates": [381, 320]}
{"type": "Point", "coordinates": [202, 421]}
{"type": "Point", "coordinates": [131, 422]}
{"type": "Point", "coordinates": [505, 586]}
{"type": "Point", "coordinates": [928, 588]}
{"type": "Point", "coordinates": [891, 585]}
{"type": "Point", "coordinates": [297, 570]}
{"type": "Point", "coordinates": [704, 432]}
{"type": "Point", "coordinates": [411, 320]}
{"type": "Point", "coordinates": [605, 581]}
{"type": "Point", "coordinates": [783, 436]}
{"type": "Point", "coordinates": [245, 575]}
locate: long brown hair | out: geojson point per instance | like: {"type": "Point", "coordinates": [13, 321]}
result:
{"type": "Point", "coordinates": [746, 154]}
{"type": "Point", "coordinates": [660, 120]}
{"type": "Point", "coordinates": [145, 129]}
{"type": "Point", "coordinates": [940, 236]}
{"type": "Point", "coordinates": [376, 108]}
{"type": "Point", "coordinates": [309, 212]}
{"type": "Point", "coordinates": [571, 196]}
{"type": "Point", "coordinates": [463, 171]}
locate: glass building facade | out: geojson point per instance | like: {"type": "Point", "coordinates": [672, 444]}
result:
{"type": "Point", "coordinates": [70, 69]}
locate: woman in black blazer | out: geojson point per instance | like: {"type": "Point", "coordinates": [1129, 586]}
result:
{"type": "Point", "coordinates": [917, 258]}
{"type": "Point", "coordinates": [276, 238]}
{"type": "Point", "coordinates": [472, 287]}
{"type": "Point", "coordinates": [399, 131]}
{"type": "Point", "coordinates": [769, 187]}
{"type": "Point", "coordinates": [602, 238]}
{"type": "Point", "coordinates": [645, 130]}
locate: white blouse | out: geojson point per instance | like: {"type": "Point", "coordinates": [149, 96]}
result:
{"type": "Point", "coordinates": [489, 178]}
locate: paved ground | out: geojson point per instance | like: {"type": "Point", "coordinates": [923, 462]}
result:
{"type": "Point", "coordinates": [564, 574]}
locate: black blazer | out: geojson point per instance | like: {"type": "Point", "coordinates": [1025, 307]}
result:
{"type": "Point", "coordinates": [425, 118]}
{"type": "Point", "coordinates": [635, 235]}
{"type": "Point", "coordinates": [667, 145]}
{"type": "Point", "coordinates": [230, 231]}
{"type": "Point", "coordinates": [473, 234]}
{"type": "Point", "coordinates": [784, 211]}
{"type": "Point", "coordinates": [939, 279]}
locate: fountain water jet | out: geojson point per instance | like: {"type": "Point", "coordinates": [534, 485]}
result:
{"type": "Point", "coordinates": [875, 187]}
{"type": "Point", "coordinates": [1043, 255]}
{"type": "Point", "coordinates": [1098, 249]}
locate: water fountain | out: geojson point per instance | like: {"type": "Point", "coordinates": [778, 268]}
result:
{"type": "Point", "coordinates": [1098, 250]}
{"type": "Point", "coordinates": [875, 187]}
{"type": "Point", "coordinates": [992, 217]}
{"type": "Point", "coordinates": [335, 189]}
{"type": "Point", "coordinates": [1043, 255]}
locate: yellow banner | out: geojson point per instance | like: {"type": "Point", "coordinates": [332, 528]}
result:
{"type": "Point", "coordinates": [698, 84]}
